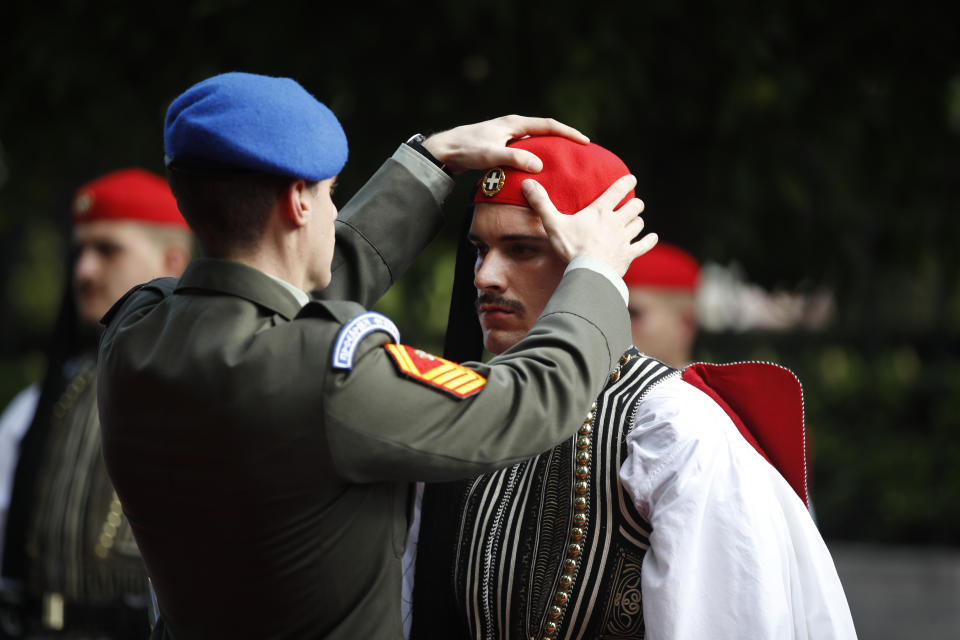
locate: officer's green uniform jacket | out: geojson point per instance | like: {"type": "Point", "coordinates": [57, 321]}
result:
{"type": "Point", "coordinates": [269, 492]}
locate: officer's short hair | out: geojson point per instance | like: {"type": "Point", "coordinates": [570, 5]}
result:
{"type": "Point", "coordinates": [227, 212]}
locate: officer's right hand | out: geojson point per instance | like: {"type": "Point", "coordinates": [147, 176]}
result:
{"type": "Point", "coordinates": [597, 231]}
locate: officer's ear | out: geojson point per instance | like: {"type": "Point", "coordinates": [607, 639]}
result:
{"type": "Point", "coordinates": [296, 204]}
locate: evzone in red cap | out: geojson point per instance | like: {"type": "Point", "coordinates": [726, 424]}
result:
{"type": "Point", "coordinates": [126, 230]}
{"type": "Point", "coordinates": [695, 475]}
{"type": "Point", "coordinates": [663, 314]}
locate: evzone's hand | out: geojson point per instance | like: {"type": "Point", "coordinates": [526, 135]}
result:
{"type": "Point", "coordinates": [483, 145]}
{"type": "Point", "coordinates": [598, 231]}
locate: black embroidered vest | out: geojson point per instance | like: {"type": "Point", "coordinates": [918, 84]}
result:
{"type": "Point", "coordinates": [552, 547]}
{"type": "Point", "coordinates": [79, 545]}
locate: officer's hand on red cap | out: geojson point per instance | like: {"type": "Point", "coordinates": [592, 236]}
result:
{"type": "Point", "coordinates": [599, 231]}
{"type": "Point", "coordinates": [484, 144]}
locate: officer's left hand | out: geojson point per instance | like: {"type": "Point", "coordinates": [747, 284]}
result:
{"type": "Point", "coordinates": [600, 230]}
{"type": "Point", "coordinates": [483, 145]}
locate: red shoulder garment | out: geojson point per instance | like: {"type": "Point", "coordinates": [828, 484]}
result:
{"type": "Point", "coordinates": [765, 402]}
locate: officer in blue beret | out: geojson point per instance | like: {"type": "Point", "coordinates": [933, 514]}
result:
{"type": "Point", "coordinates": [263, 439]}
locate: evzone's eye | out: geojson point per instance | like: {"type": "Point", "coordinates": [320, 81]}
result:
{"type": "Point", "coordinates": [523, 250]}
{"type": "Point", "coordinates": [106, 249]}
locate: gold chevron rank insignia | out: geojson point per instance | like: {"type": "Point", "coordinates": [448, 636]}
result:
{"type": "Point", "coordinates": [435, 372]}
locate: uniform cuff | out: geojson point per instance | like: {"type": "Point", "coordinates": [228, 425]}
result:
{"type": "Point", "coordinates": [432, 176]}
{"type": "Point", "coordinates": [603, 269]}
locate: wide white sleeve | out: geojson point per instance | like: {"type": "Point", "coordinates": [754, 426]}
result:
{"type": "Point", "coordinates": [14, 422]}
{"type": "Point", "coordinates": [733, 552]}
{"type": "Point", "coordinates": [409, 562]}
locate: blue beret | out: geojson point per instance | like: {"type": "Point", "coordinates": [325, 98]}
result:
{"type": "Point", "coordinates": [254, 122]}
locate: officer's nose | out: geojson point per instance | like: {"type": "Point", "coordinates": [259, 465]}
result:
{"type": "Point", "coordinates": [490, 272]}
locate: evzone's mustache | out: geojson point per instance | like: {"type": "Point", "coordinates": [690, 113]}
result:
{"type": "Point", "coordinates": [497, 300]}
{"type": "Point", "coordinates": [85, 287]}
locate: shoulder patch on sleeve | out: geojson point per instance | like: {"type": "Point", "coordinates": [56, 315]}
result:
{"type": "Point", "coordinates": [435, 372]}
{"type": "Point", "coordinates": [356, 330]}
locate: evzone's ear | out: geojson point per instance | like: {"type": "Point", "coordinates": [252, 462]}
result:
{"type": "Point", "coordinates": [175, 259]}
{"type": "Point", "coordinates": [688, 326]}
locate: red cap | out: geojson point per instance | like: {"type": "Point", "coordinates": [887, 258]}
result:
{"type": "Point", "coordinates": [128, 194]}
{"type": "Point", "coordinates": [664, 266]}
{"type": "Point", "coordinates": [573, 174]}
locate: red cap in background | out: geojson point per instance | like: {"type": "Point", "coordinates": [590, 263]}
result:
{"type": "Point", "coordinates": [664, 266]}
{"type": "Point", "coordinates": [127, 194]}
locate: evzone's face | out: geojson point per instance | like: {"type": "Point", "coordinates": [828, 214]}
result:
{"type": "Point", "coordinates": [325, 212]}
{"type": "Point", "coordinates": [111, 258]}
{"type": "Point", "coordinates": [515, 273]}
{"type": "Point", "coordinates": [662, 324]}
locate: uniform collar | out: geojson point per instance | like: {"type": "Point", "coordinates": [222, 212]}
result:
{"type": "Point", "coordinates": [297, 293]}
{"type": "Point", "coordinates": [236, 279]}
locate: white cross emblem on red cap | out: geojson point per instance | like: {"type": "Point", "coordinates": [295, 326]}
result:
{"type": "Point", "coordinates": [492, 181]}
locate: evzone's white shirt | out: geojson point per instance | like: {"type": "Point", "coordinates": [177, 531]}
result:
{"type": "Point", "coordinates": [14, 421]}
{"type": "Point", "coordinates": [733, 551]}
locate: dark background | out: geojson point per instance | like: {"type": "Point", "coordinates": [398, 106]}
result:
{"type": "Point", "coordinates": [813, 144]}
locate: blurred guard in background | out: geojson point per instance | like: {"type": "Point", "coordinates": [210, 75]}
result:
{"type": "Point", "coordinates": [70, 566]}
{"type": "Point", "coordinates": [663, 306]}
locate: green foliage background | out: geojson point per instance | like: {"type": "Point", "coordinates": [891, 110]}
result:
{"type": "Point", "coordinates": [811, 143]}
